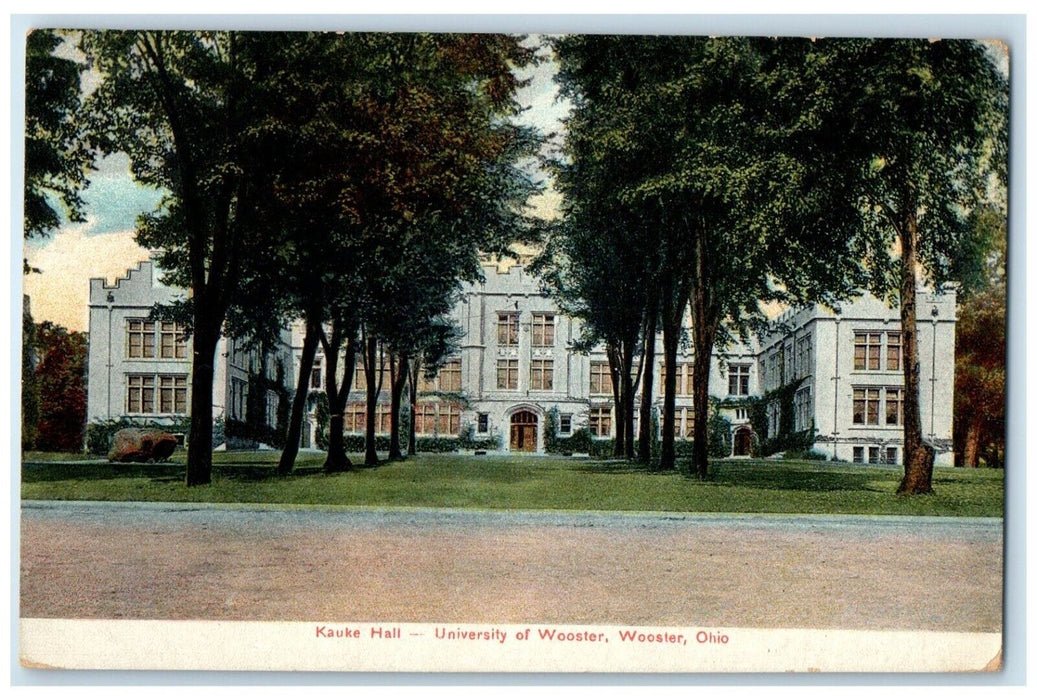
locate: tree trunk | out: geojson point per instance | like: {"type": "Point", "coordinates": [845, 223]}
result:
{"type": "Point", "coordinates": [705, 320]}
{"type": "Point", "coordinates": [973, 435]}
{"type": "Point", "coordinates": [616, 372]}
{"type": "Point", "coordinates": [302, 390]}
{"type": "Point", "coordinates": [626, 394]}
{"type": "Point", "coordinates": [703, 342]}
{"type": "Point", "coordinates": [338, 396]}
{"type": "Point", "coordinates": [412, 429]}
{"type": "Point", "coordinates": [644, 432]}
{"type": "Point", "coordinates": [397, 383]}
{"type": "Point", "coordinates": [671, 340]}
{"type": "Point", "coordinates": [372, 372]}
{"type": "Point", "coordinates": [918, 455]}
{"type": "Point", "coordinates": [199, 448]}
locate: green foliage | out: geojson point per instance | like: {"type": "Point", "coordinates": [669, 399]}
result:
{"type": "Point", "coordinates": [467, 440]}
{"type": "Point", "coordinates": [981, 345]}
{"type": "Point", "coordinates": [255, 427]}
{"type": "Point", "coordinates": [60, 380]}
{"type": "Point", "coordinates": [219, 431]}
{"type": "Point", "coordinates": [318, 403]}
{"type": "Point", "coordinates": [57, 155]}
{"type": "Point", "coordinates": [806, 454]}
{"type": "Point", "coordinates": [787, 438]}
{"type": "Point", "coordinates": [719, 435]}
{"type": "Point", "coordinates": [99, 433]}
{"type": "Point", "coordinates": [30, 387]}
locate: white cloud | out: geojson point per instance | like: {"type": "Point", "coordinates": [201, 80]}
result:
{"type": "Point", "coordinates": [59, 293]}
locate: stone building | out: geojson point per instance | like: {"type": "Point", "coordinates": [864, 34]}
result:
{"type": "Point", "coordinates": [833, 379]}
{"type": "Point", "coordinates": [140, 369]}
{"type": "Point", "coordinates": [514, 367]}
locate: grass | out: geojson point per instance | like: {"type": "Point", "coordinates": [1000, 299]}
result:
{"type": "Point", "coordinates": [525, 483]}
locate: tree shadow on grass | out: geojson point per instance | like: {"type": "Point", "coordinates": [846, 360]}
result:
{"type": "Point", "coordinates": [777, 476]}
{"type": "Point", "coordinates": [72, 471]}
{"type": "Point", "coordinates": [163, 472]}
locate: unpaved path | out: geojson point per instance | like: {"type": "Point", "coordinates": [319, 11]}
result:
{"type": "Point", "coordinates": [175, 561]}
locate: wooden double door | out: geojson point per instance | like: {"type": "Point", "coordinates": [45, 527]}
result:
{"type": "Point", "coordinates": [524, 432]}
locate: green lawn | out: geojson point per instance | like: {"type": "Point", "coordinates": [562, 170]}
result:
{"type": "Point", "coordinates": [458, 481]}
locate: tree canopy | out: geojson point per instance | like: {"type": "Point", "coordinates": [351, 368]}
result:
{"type": "Point", "coordinates": [57, 156]}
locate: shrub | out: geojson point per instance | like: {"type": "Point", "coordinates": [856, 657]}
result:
{"type": "Point", "coordinates": [719, 436]}
{"type": "Point", "coordinates": [99, 432]}
{"type": "Point", "coordinates": [810, 455]}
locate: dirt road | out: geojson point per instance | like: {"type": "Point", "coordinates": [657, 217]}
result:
{"type": "Point", "coordinates": [172, 561]}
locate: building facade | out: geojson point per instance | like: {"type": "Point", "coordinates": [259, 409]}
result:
{"type": "Point", "coordinates": [139, 369]}
{"type": "Point", "coordinates": [832, 379]}
{"type": "Point", "coordinates": [834, 376]}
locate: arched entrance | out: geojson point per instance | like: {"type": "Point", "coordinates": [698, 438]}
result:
{"type": "Point", "coordinates": [743, 438]}
{"type": "Point", "coordinates": [523, 431]}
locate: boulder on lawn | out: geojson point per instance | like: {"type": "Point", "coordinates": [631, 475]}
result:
{"type": "Point", "coordinates": [141, 445]}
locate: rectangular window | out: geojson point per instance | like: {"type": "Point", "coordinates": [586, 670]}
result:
{"type": "Point", "coordinates": [425, 419]}
{"type": "Point", "coordinates": [440, 419]}
{"type": "Point", "coordinates": [507, 329]}
{"type": "Point", "coordinates": [858, 455]}
{"type": "Point", "coordinates": [600, 422]}
{"type": "Point", "coordinates": [140, 394]}
{"type": "Point", "coordinates": [172, 341]}
{"type": "Point", "coordinates": [271, 408]}
{"type": "Point", "coordinates": [316, 374]}
{"type": "Point", "coordinates": [450, 376]}
{"type": "Point", "coordinates": [683, 383]}
{"type": "Point", "coordinates": [541, 375]}
{"type": "Point", "coordinates": [356, 418]}
{"type": "Point", "coordinates": [891, 455]}
{"type": "Point", "coordinates": [172, 394]}
{"type": "Point", "coordinates": [359, 377]}
{"type": "Point", "coordinates": [866, 406]}
{"type": "Point", "coordinates": [803, 356]}
{"type": "Point", "coordinates": [543, 330]}
{"type": "Point", "coordinates": [425, 384]}
{"type": "Point", "coordinates": [483, 422]}
{"type": "Point", "coordinates": [601, 378]}
{"type": "Point", "coordinates": [448, 420]}
{"type": "Point", "coordinates": [893, 351]}
{"type": "Point", "coordinates": [804, 408]}
{"type": "Point", "coordinates": [688, 418]}
{"type": "Point", "coordinates": [738, 380]}
{"type": "Point", "coordinates": [867, 349]}
{"type": "Point", "coordinates": [507, 374]}
{"type": "Point", "coordinates": [383, 419]}
{"type": "Point", "coordinates": [773, 418]}
{"type": "Point", "coordinates": [565, 424]}
{"type": "Point", "coordinates": [873, 455]}
{"type": "Point", "coordinates": [163, 393]}
{"type": "Point", "coordinates": [140, 338]}
{"type": "Point", "coordinates": [894, 406]}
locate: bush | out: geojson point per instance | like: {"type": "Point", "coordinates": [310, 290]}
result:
{"type": "Point", "coordinates": [810, 455]}
{"type": "Point", "coordinates": [99, 432]}
{"type": "Point", "coordinates": [719, 436]}
{"type": "Point", "coordinates": [580, 441]}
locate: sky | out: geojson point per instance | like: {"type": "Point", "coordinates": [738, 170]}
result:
{"type": "Point", "coordinates": [104, 246]}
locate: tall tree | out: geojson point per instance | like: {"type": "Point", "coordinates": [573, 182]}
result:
{"type": "Point", "coordinates": [178, 104]}
{"type": "Point", "coordinates": [726, 140]}
{"type": "Point", "coordinates": [926, 138]}
{"type": "Point", "coordinates": [57, 154]}
{"type": "Point", "coordinates": [30, 386]}
{"type": "Point", "coordinates": [60, 376]}
{"type": "Point", "coordinates": [980, 344]}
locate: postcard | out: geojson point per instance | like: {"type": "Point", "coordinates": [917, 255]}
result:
{"type": "Point", "coordinates": [496, 351]}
